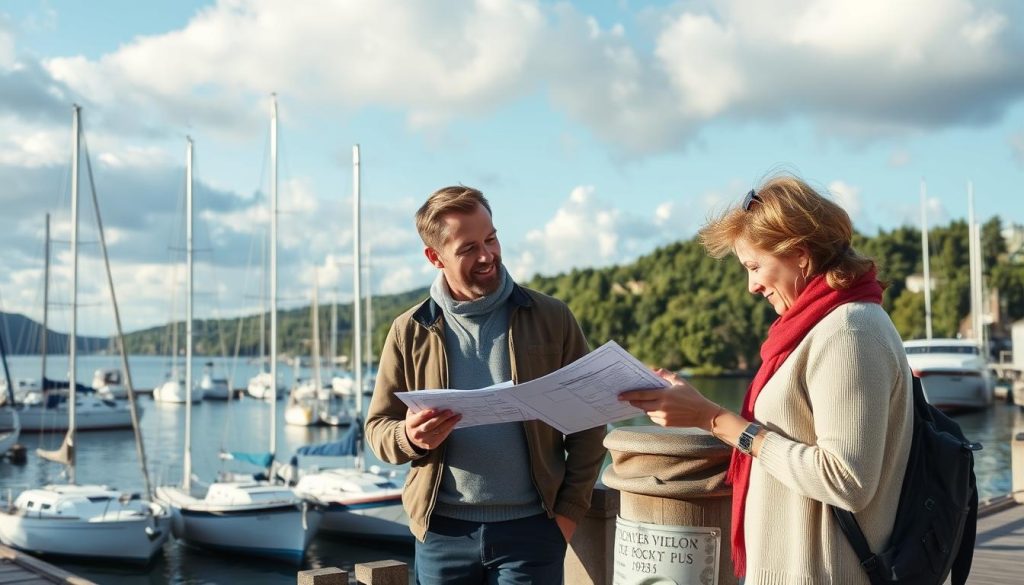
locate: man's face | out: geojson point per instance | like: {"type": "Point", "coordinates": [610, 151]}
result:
{"type": "Point", "coordinates": [471, 256]}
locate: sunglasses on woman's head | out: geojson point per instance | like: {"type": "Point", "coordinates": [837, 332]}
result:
{"type": "Point", "coordinates": [749, 200]}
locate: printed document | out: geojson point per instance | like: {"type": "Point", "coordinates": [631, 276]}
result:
{"type": "Point", "coordinates": [579, 396]}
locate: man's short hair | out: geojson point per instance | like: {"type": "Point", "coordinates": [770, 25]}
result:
{"type": "Point", "coordinates": [454, 199]}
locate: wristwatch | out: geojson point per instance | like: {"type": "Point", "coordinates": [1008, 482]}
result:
{"type": "Point", "coordinates": [746, 441]}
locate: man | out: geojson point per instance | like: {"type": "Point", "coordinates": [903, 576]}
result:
{"type": "Point", "coordinates": [493, 503]}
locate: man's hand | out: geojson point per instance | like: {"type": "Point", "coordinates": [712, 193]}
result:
{"type": "Point", "coordinates": [427, 429]}
{"type": "Point", "coordinates": [567, 526]}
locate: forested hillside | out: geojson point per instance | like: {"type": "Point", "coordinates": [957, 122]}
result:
{"type": "Point", "coordinates": [678, 308]}
{"type": "Point", "coordinates": [674, 307]}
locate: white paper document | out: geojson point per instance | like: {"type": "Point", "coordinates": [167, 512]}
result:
{"type": "Point", "coordinates": [579, 396]}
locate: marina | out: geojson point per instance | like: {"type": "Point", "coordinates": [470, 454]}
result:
{"type": "Point", "coordinates": [108, 457]}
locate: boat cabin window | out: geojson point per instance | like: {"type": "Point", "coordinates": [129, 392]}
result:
{"type": "Point", "coordinates": [46, 506]}
{"type": "Point", "coordinates": [98, 499]}
{"type": "Point", "coordinates": [961, 349]}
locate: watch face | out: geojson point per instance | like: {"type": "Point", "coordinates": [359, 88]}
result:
{"type": "Point", "coordinates": [745, 442]}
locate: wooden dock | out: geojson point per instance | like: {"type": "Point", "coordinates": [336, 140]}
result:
{"type": "Point", "coordinates": [999, 549]}
{"type": "Point", "coordinates": [17, 568]}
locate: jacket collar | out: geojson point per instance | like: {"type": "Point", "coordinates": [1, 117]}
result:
{"type": "Point", "coordinates": [429, 313]}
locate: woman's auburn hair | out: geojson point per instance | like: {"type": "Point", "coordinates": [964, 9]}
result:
{"type": "Point", "coordinates": [788, 215]}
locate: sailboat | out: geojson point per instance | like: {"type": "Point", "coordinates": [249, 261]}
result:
{"type": "Point", "coordinates": [43, 407]}
{"type": "Point", "coordinates": [173, 390]}
{"type": "Point", "coordinates": [93, 521]}
{"type": "Point", "coordinates": [250, 517]}
{"type": "Point", "coordinates": [213, 388]}
{"type": "Point", "coordinates": [8, 438]}
{"type": "Point", "coordinates": [309, 401]}
{"type": "Point", "coordinates": [355, 501]}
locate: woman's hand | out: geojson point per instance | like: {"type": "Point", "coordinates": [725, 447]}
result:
{"type": "Point", "coordinates": [680, 405]}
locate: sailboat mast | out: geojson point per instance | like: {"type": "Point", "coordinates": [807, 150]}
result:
{"type": "Point", "coordinates": [133, 410]}
{"type": "Point", "coordinates": [69, 439]}
{"type": "Point", "coordinates": [273, 276]}
{"type": "Point", "coordinates": [357, 269]}
{"type": "Point", "coordinates": [974, 253]}
{"type": "Point", "coordinates": [263, 309]}
{"type": "Point", "coordinates": [369, 316]}
{"type": "Point", "coordinates": [315, 346]}
{"type": "Point", "coordinates": [186, 481]}
{"type": "Point", "coordinates": [927, 263]}
{"type": "Point", "coordinates": [46, 305]}
{"type": "Point", "coordinates": [334, 330]}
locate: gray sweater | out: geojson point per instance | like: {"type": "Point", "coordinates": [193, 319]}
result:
{"type": "Point", "coordinates": [486, 476]}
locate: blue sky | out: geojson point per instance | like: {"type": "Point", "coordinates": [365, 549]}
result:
{"type": "Point", "coordinates": [599, 130]}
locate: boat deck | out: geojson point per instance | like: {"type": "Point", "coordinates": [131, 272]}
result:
{"type": "Point", "coordinates": [22, 569]}
{"type": "Point", "coordinates": [999, 549]}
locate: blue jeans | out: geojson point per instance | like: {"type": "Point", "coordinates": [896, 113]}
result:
{"type": "Point", "coordinates": [524, 551]}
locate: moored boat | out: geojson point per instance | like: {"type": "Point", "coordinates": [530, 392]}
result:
{"type": "Point", "coordinates": [954, 374]}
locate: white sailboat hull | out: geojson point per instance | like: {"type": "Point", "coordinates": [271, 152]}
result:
{"type": "Point", "coordinates": [357, 503]}
{"type": "Point", "coordinates": [133, 541]}
{"type": "Point", "coordinates": [173, 391]}
{"type": "Point", "coordinates": [133, 531]}
{"type": "Point", "coordinates": [277, 530]}
{"type": "Point", "coordinates": [91, 414]}
{"type": "Point", "coordinates": [387, 522]}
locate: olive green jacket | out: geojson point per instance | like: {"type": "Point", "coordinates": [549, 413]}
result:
{"type": "Point", "coordinates": [543, 337]}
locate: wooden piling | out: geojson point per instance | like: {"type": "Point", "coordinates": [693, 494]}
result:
{"type": "Point", "coordinates": [382, 573]}
{"type": "Point", "coordinates": [325, 576]}
{"type": "Point", "coordinates": [589, 560]}
{"type": "Point", "coordinates": [672, 478]}
{"type": "Point", "coordinates": [1017, 466]}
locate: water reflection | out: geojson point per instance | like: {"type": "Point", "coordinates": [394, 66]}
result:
{"type": "Point", "coordinates": [992, 427]}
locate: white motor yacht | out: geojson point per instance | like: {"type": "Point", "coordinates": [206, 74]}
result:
{"type": "Point", "coordinates": [954, 374]}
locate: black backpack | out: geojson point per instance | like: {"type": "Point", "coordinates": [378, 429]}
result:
{"type": "Point", "coordinates": [936, 520]}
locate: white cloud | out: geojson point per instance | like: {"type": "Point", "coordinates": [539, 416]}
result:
{"type": "Point", "coordinates": [31, 145]}
{"type": "Point", "coordinates": [137, 157]}
{"type": "Point", "coordinates": [869, 68]}
{"type": "Point", "coordinates": [857, 70]}
{"type": "Point", "coordinates": [1017, 147]}
{"type": "Point", "coordinates": [848, 197]}
{"type": "Point", "coordinates": [6, 47]}
{"type": "Point", "coordinates": [432, 59]}
{"type": "Point", "coordinates": [589, 231]}
{"type": "Point", "coordinates": [899, 159]}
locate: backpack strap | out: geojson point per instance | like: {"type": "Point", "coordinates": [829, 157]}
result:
{"type": "Point", "coordinates": [855, 535]}
{"type": "Point", "coordinates": [965, 556]}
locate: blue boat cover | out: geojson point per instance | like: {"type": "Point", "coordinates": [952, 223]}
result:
{"type": "Point", "coordinates": [348, 444]}
{"type": "Point", "coordinates": [258, 459]}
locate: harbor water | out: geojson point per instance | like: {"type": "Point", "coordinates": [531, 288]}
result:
{"type": "Point", "coordinates": [108, 457]}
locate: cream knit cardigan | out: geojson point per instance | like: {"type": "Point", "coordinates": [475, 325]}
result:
{"type": "Point", "coordinates": [839, 419]}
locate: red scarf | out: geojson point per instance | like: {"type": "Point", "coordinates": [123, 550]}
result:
{"type": "Point", "coordinates": [817, 300]}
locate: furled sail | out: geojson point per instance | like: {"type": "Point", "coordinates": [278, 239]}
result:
{"type": "Point", "coordinates": [64, 455]}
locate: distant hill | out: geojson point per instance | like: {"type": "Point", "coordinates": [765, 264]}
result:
{"type": "Point", "coordinates": [22, 336]}
{"type": "Point", "coordinates": [220, 336]}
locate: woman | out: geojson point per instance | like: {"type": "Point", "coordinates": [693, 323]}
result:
{"type": "Point", "coordinates": [827, 420]}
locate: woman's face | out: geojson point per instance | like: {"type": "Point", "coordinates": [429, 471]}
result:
{"type": "Point", "coordinates": [779, 279]}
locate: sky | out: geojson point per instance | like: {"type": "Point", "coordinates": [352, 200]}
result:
{"type": "Point", "coordinates": [598, 130]}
